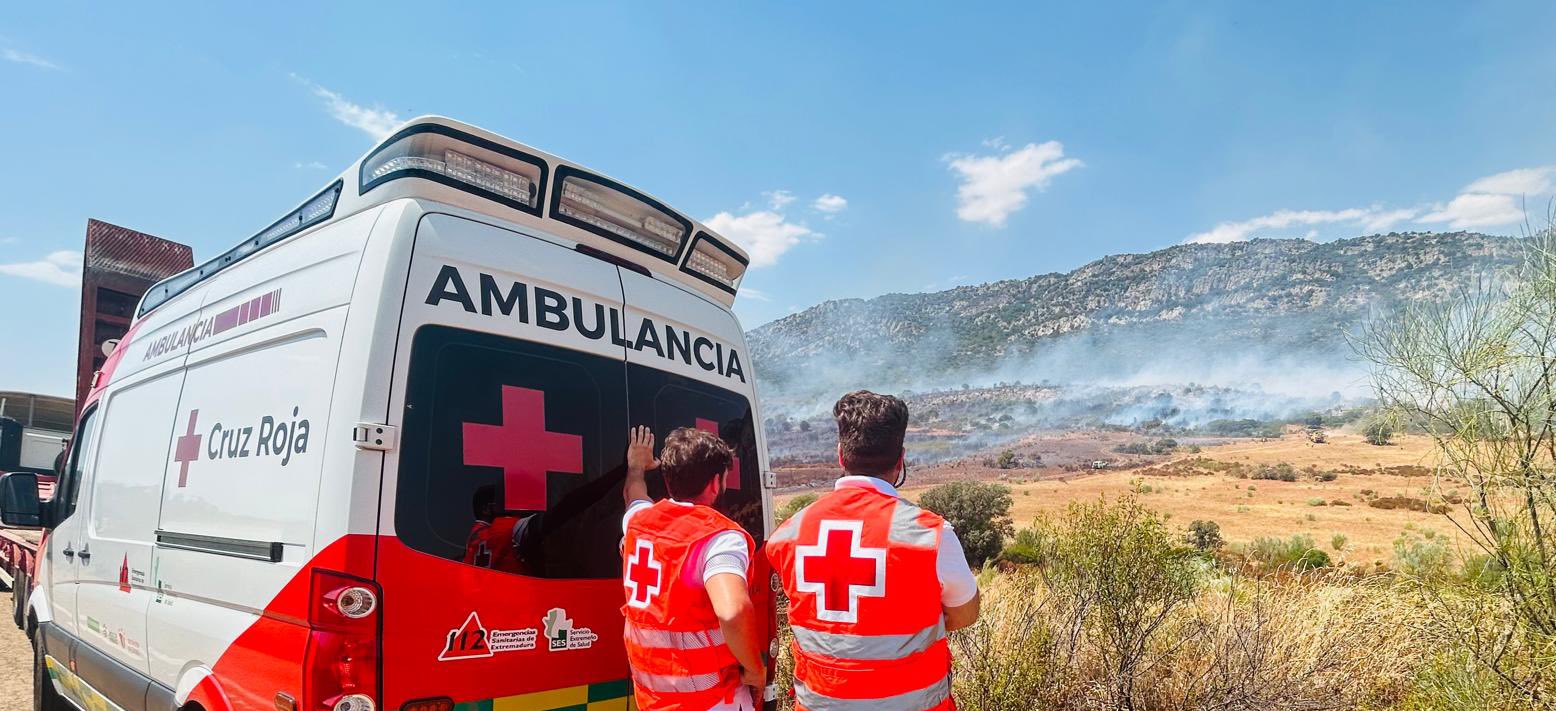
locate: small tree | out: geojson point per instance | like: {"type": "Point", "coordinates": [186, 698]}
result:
{"type": "Point", "coordinates": [1006, 460]}
{"type": "Point", "coordinates": [979, 512]}
{"type": "Point", "coordinates": [1378, 432]}
{"type": "Point", "coordinates": [1476, 372]}
{"type": "Point", "coordinates": [1121, 565]}
{"type": "Point", "coordinates": [1205, 535]}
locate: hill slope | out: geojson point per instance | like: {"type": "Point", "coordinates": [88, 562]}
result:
{"type": "Point", "coordinates": [1196, 307]}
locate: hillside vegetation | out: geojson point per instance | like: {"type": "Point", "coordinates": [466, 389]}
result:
{"type": "Point", "coordinates": [1294, 296]}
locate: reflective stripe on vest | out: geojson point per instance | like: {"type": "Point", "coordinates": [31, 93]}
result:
{"type": "Point", "coordinates": [884, 647]}
{"type": "Point", "coordinates": [928, 697]}
{"type": "Point", "coordinates": [668, 684]}
{"type": "Point", "coordinates": [669, 639]}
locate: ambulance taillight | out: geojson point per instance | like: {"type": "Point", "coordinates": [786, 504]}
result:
{"type": "Point", "coordinates": [341, 666]}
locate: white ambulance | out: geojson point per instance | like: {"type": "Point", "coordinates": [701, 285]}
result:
{"type": "Point", "coordinates": [372, 457]}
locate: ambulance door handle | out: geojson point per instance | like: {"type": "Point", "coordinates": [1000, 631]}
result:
{"type": "Point", "coordinates": [86, 554]}
{"type": "Point", "coordinates": [68, 552]}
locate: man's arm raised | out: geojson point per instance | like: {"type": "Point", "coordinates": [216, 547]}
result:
{"type": "Point", "coordinates": [640, 458]}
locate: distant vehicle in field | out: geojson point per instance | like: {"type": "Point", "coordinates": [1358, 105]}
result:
{"type": "Point", "coordinates": [284, 483]}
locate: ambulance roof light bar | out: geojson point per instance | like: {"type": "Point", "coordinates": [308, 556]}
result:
{"type": "Point", "coordinates": [618, 213]}
{"type": "Point", "coordinates": [715, 262]}
{"type": "Point", "coordinates": [317, 209]}
{"type": "Point", "coordinates": [457, 159]}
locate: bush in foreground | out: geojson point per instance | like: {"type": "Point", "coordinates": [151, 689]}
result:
{"type": "Point", "coordinates": [979, 512]}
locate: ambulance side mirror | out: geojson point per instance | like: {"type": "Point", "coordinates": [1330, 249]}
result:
{"type": "Point", "coordinates": [19, 504]}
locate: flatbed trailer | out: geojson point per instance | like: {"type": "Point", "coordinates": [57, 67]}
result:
{"type": "Point", "coordinates": [18, 562]}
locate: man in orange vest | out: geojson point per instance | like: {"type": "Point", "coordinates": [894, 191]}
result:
{"type": "Point", "coordinates": [692, 633]}
{"type": "Point", "coordinates": [874, 582]}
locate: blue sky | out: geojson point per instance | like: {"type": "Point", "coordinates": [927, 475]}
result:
{"type": "Point", "coordinates": [855, 149]}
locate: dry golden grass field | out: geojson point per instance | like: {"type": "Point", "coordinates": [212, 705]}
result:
{"type": "Point", "coordinates": [1189, 487]}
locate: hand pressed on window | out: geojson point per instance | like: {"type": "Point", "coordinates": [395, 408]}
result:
{"type": "Point", "coordinates": [640, 458]}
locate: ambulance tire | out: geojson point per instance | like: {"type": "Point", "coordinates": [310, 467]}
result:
{"type": "Point", "coordinates": [19, 589]}
{"type": "Point", "coordinates": [44, 697]}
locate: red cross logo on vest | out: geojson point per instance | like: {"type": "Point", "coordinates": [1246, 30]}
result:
{"type": "Point", "coordinates": [187, 448]}
{"type": "Point", "coordinates": [839, 571]}
{"type": "Point", "coordinates": [643, 575]}
{"type": "Point", "coordinates": [523, 448]}
{"type": "Point", "coordinates": [731, 475]}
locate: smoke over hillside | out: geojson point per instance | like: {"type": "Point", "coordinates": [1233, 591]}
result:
{"type": "Point", "coordinates": [1183, 337]}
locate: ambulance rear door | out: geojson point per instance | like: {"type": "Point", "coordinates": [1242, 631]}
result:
{"type": "Point", "coordinates": [500, 534]}
{"type": "Point", "coordinates": [687, 367]}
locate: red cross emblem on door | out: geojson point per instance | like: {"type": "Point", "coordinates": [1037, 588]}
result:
{"type": "Point", "coordinates": [731, 475]}
{"type": "Point", "coordinates": [186, 448]}
{"type": "Point", "coordinates": [643, 575]}
{"type": "Point", "coordinates": [523, 448]}
{"type": "Point", "coordinates": [839, 570]}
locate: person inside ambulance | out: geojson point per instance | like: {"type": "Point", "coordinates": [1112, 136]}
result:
{"type": "Point", "coordinates": [874, 582]}
{"type": "Point", "coordinates": [692, 633]}
{"type": "Point", "coordinates": [492, 539]}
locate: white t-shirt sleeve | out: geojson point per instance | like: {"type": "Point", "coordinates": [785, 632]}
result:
{"type": "Point", "coordinates": [727, 552]}
{"type": "Point", "coordinates": [958, 585]}
{"type": "Point", "coordinates": [632, 510]}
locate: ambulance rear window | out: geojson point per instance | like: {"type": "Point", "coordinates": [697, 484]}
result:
{"type": "Point", "coordinates": [665, 401]}
{"type": "Point", "coordinates": [507, 440]}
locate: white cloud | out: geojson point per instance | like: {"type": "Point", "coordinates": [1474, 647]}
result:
{"type": "Point", "coordinates": [1493, 200]}
{"type": "Point", "coordinates": [764, 234]}
{"type": "Point", "coordinates": [778, 199]}
{"type": "Point", "coordinates": [1476, 210]}
{"type": "Point", "coordinates": [1380, 220]}
{"type": "Point", "coordinates": [1280, 219]}
{"type": "Point", "coordinates": [19, 57]}
{"type": "Point", "coordinates": [830, 204]}
{"type": "Point", "coordinates": [754, 294]}
{"type": "Point", "coordinates": [994, 186]}
{"type": "Point", "coordinates": [309, 165]}
{"type": "Point", "coordinates": [62, 268]}
{"type": "Point", "coordinates": [377, 122]}
{"type": "Point", "coordinates": [1522, 181]}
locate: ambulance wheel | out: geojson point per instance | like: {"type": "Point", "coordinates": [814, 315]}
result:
{"type": "Point", "coordinates": [44, 697]}
{"type": "Point", "coordinates": [18, 603]}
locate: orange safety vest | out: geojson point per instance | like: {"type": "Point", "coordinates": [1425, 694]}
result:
{"type": "Point", "coordinates": [674, 644]}
{"type": "Point", "coordinates": [490, 545]}
{"type": "Point", "coordinates": [864, 604]}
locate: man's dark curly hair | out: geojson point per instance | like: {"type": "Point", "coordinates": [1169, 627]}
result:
{"type": "Point", "coordinates": [870, 429]}
{"type": "Point", "coordinates": [690, 459]}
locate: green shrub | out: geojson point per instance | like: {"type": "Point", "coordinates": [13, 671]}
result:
{"type": "Point", "coordinates": [1281, 472]}
{"type": "Point", "coordinates": [1298, 552]}
{"type": "Point", "coordinates": [1121, 564]}
{"type": "Point", "coordinates": [1026, 549]}
{"type": "Point", "coordinates": [979, 512]}
{"type": "Point", "coordinates": [793, 506]}
{"type": "Point", "coordinates": [1378, 432]}
{"type": "Point", "coordinates": [1423, 555]}
{"type": "Point", "coordinates": [1205, 535]}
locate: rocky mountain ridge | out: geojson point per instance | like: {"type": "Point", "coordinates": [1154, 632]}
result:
{"type": "Point", "coordinates": [1291, 294]}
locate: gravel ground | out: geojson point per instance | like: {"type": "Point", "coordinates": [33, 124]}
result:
{"type": "Point", "coordinates": [15, 664]}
